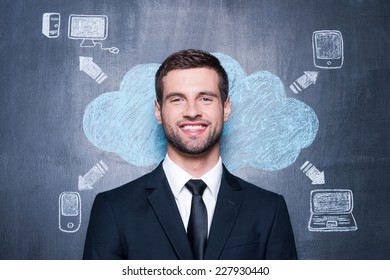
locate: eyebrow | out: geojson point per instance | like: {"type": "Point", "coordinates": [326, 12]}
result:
{"type": "Point", "coordinates": [209, 93]}
{"type": "Point", "coordinates": [173, 94]}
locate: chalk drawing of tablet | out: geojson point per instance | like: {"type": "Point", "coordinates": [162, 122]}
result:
{"type": "Point", "coordinates": [69, 211]}
{"type": "Point", "coordinates": [328, 49]}
{"type": "Point", "coordinates": [331, 210]}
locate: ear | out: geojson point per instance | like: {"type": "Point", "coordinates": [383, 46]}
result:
{"type": "Point", "coordinates": [226, 109]}
{"type": "Point", "coordinates": [157, 112]}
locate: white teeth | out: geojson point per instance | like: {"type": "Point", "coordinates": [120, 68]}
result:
{"type": "Point", "coordinates": [192, 127]}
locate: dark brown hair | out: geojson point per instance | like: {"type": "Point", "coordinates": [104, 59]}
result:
{"type": "Point", "coordinates": [187, 59]}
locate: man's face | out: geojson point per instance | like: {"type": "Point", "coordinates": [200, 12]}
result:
{"type": "Point", "coordinates": [192, 113]}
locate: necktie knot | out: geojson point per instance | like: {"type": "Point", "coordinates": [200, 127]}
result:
{"type": "Point", "coordinates": [196, 186]}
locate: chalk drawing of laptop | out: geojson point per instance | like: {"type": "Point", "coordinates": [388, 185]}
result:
{"type": "Point", "coordinates": [331, 210]}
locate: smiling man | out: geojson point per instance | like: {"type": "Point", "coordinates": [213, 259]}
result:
{"type": "Point", "coordinates": [190, 206]}
{"type": "Point", "coordinates": [192, 114]}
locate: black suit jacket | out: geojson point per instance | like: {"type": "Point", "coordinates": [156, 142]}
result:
{"type": "Point", "coordinates": [140, 220]}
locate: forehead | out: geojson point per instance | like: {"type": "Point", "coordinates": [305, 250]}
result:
{"type": "Point", "coordinates": [194, 79]}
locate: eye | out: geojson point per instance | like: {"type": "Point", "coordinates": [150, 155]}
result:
{"type": "Point", "coordinates": [206, 99]}
{"type": "Point", "coordinates": [176, 100]}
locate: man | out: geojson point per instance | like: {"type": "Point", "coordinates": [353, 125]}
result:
{"type": "Point", "coordinates": [190, 206]}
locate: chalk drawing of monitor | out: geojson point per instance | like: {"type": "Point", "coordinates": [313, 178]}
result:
{"type": "Point", "coordinates": [88, 28]}
{"type": "Point", "coordinates": [331, 210]}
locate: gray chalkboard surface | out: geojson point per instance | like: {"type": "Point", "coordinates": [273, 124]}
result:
{"type": "Point", "coordinates": [311, 117]}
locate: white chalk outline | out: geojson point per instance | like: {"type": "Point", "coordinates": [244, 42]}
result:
{"type": "Point", "coordinates": [329, 61]}
{"type": "Point", "coordinates": [317, 177]}
{"type": "Point", "coordinates": [93, 31]}
{"type": "Point", "coordinates": [97, 172]}
{"type": "Point", "coordinates": [92, 69]}
{"type": "Point", "coordinates": [46, 26]}
{"type": "Point", "coordinates": [332, 225]}
{"type": "Point", "coordinates": [89, 41]}
{"type": "Point", "coordinates": [72, 226]}
{"type": "Point", "coordinates": [308, 78]}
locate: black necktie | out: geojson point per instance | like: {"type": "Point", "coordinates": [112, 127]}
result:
{"type": "Point", "coordinates": [197, 224]}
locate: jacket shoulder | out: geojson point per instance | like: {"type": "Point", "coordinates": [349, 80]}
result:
{"type": "Point", "coordinates": [249, 188]}
{"type": "Point", "coordinates": [135, 189]}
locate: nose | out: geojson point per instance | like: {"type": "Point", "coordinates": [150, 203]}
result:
{"type": "Point", "coordinates": [192, 110]}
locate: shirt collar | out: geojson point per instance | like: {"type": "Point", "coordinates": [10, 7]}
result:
{"type": "Point", "coordinates": [177, 177]}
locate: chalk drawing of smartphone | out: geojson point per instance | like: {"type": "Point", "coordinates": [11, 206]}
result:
{"type": "Point", "coordinates": [328, 49]}
{"type": "Point", "coordinates": [69, 211]}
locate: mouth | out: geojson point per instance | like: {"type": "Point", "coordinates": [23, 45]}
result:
{"type": "Point", "coordinates": [193, 128]}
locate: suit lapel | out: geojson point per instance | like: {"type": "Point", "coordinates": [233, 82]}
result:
{"type": "Point", "coordinates": [226, 210]}
{"type": "Point", "coordinates": [163, 203]}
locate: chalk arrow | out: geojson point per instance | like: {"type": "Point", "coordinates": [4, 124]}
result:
{"type": "Point", "coordinates": [317, 177]}
{"type": "Point", "coordinates": [309, 77]}
{"type": "Point", "coordinates": [92, 69]}
{"type": "Point", "coordinates": [97, 172]}
{"type": "Point", "coordinates": [83, 185]}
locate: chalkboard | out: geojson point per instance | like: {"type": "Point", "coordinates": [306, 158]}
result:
{"type": "Point", "coordinates": [310, 98]}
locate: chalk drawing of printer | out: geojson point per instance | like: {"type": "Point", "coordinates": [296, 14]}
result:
{"type": "Point", "coordinates": [331, 210]}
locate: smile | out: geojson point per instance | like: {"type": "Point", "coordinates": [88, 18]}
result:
{"type": "Point", "coordinates": [193, 127]}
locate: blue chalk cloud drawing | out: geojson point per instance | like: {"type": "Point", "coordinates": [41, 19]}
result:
{"type": "Point", "coordinates": [266, 130]}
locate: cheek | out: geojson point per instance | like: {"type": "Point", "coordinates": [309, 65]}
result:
{"type": "Point", "coordinates": [219, 115]}
{"type": "Point", "coordinates": [169, 118]}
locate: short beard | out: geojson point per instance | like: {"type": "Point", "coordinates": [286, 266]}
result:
{"type": "Point", "coordinates": [175, 141]}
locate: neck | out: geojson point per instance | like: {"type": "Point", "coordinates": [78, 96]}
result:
{"type": "Point", "coordinates": [195, 165]}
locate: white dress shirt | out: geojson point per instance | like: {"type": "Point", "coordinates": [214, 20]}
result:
{"type": "Point", "coordinates": [177, 178]}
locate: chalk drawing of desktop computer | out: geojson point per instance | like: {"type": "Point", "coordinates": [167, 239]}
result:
{"type": "Point", "coordinates": [89, 29]}
{"type": "Point", "coordinates": [331, 210]}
